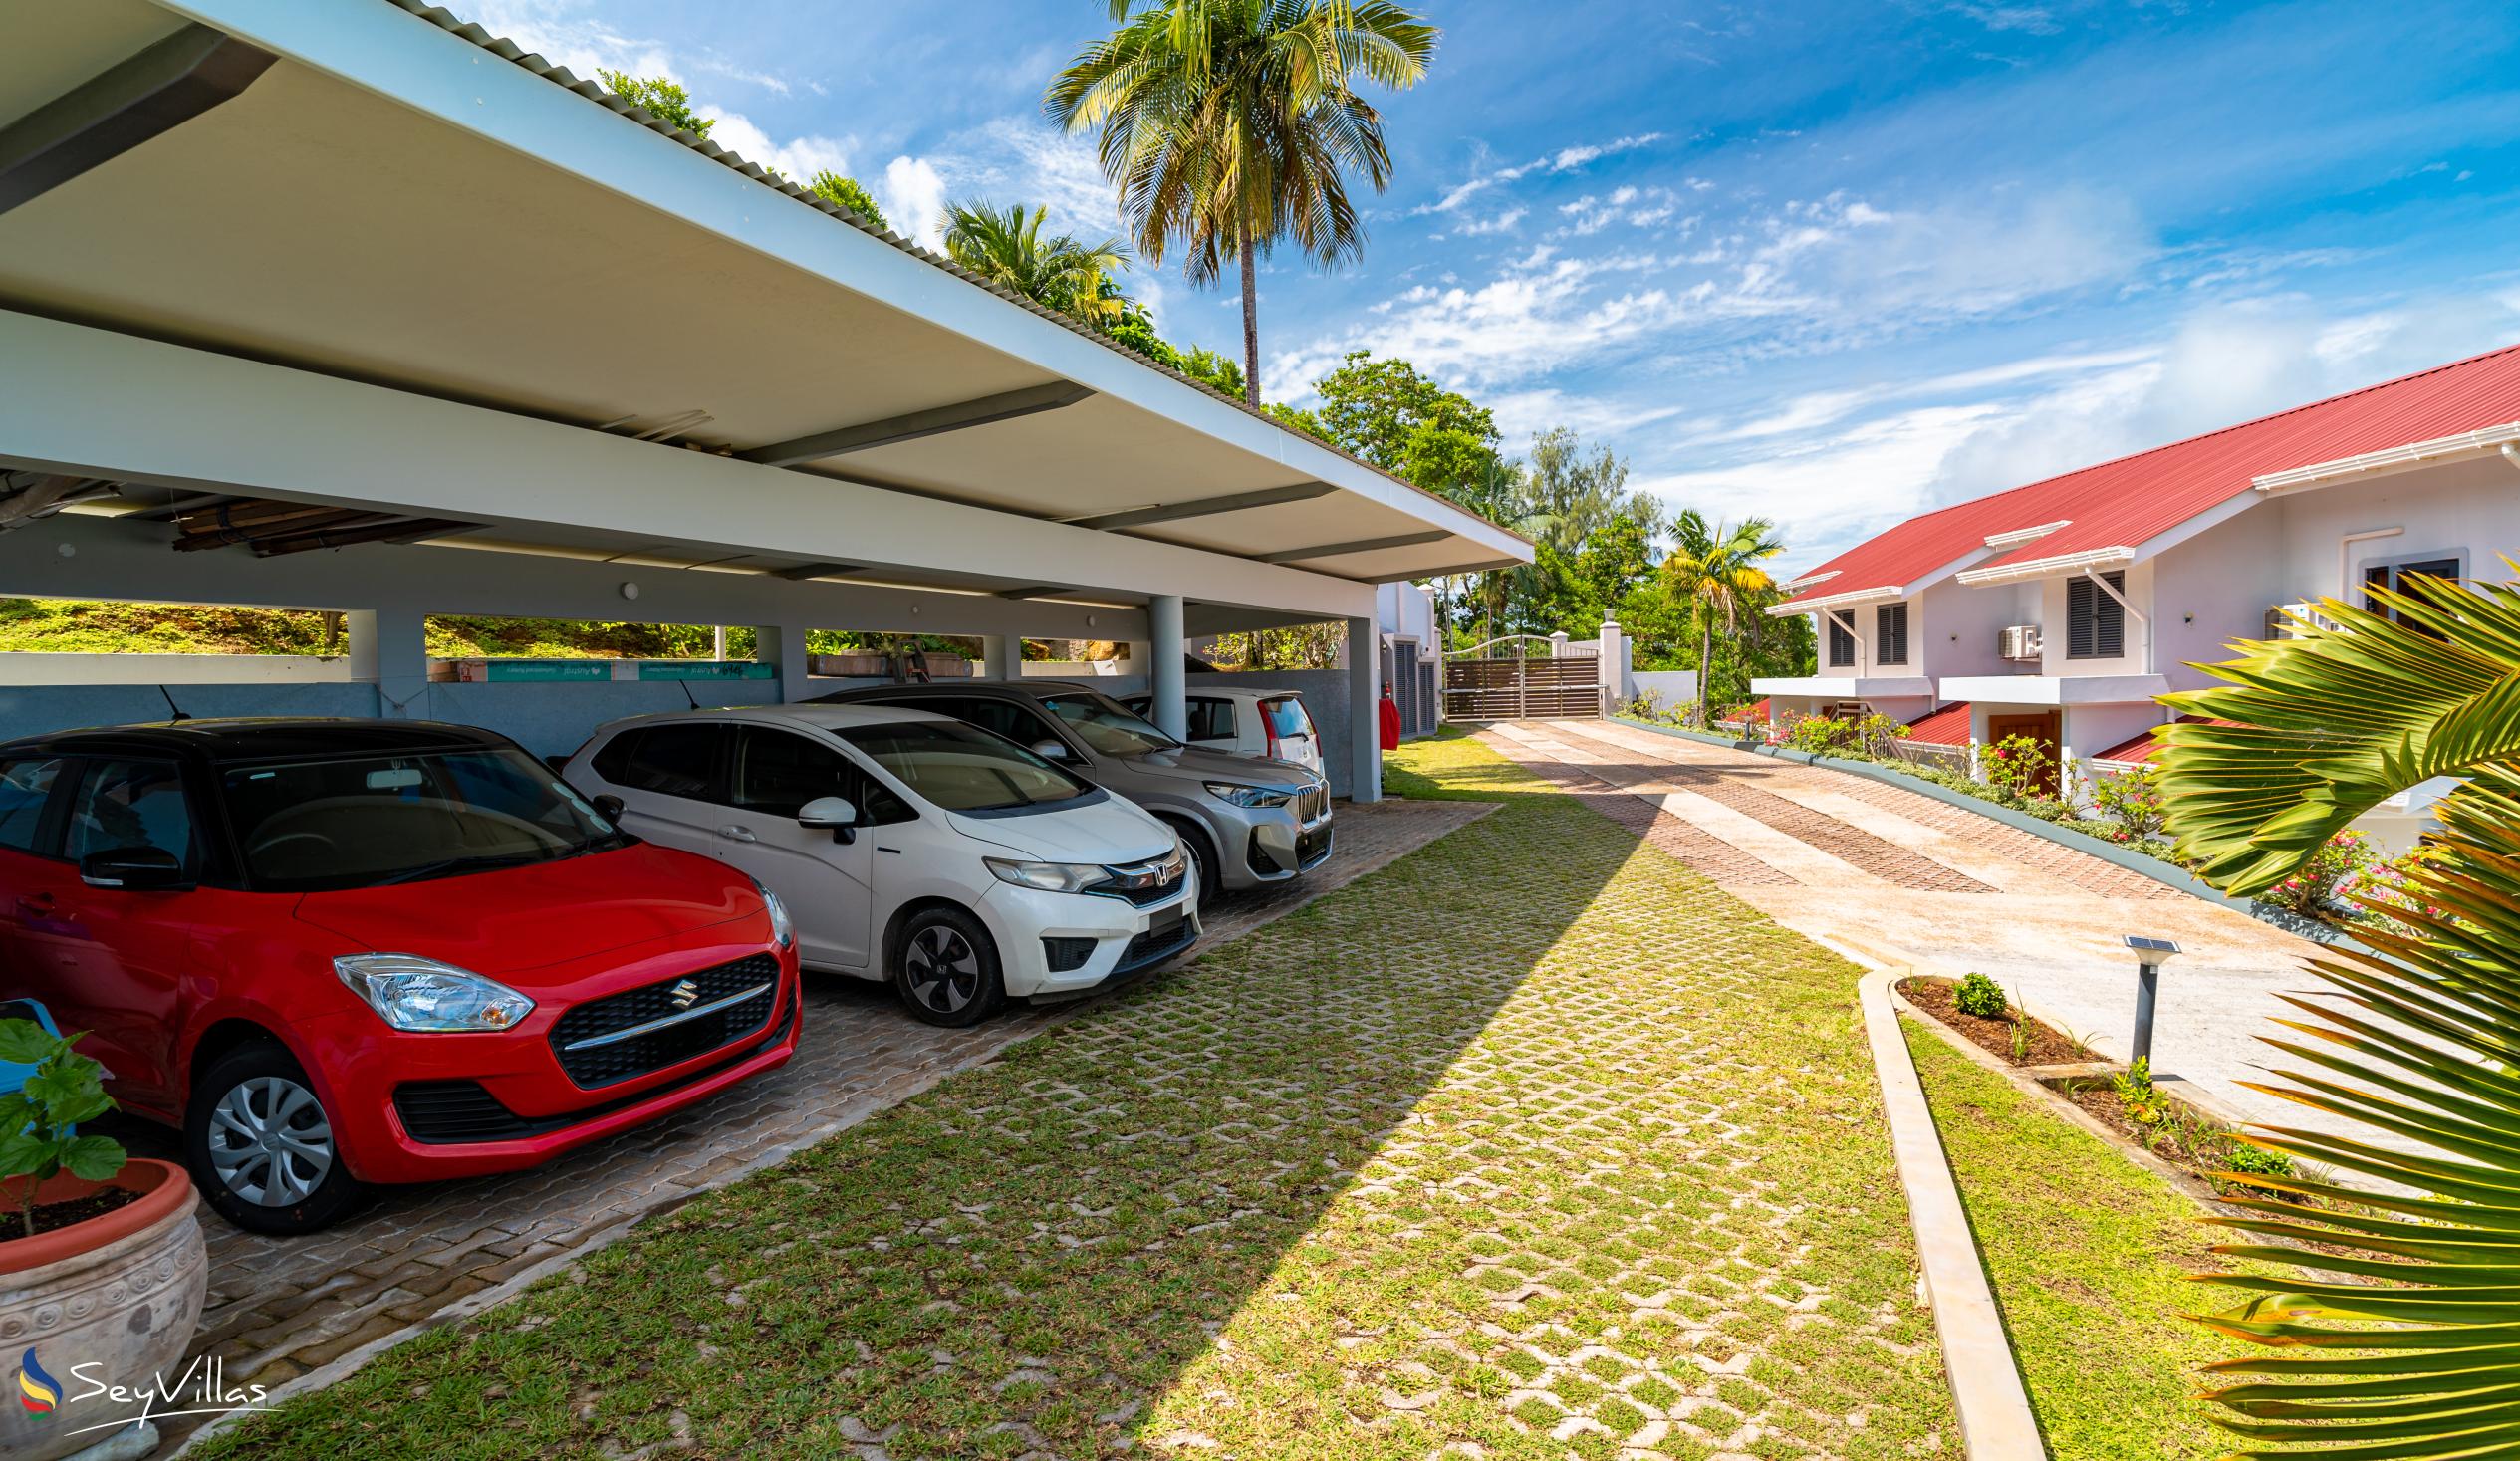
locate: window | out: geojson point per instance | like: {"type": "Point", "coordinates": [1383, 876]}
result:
{"type": "Point", "coordinates": [1287, 718]}
{"type": "Point", "coordinates": [1005, 717]}
{"type": "Point", "coordinates": [373, 821]}
{"type": "Point", "coordinates": [1890, 634]}
{"type": "Point", "coordinates": [1840, 643]}
{"type": "Point", "coordinates": [130, 804]}
{"type": "Point", "coordinates": [1106, 727]}
{"type": "Point", "coordinates": [26, 787]}
{"type": "Point", "coordinates": [670, 760]}
{"type": "Point", "coordinates": [2094, 621]}
{"type": "Point", "coordinates": [2395, 576]}
{"type": "Point", "coordinates": [1212, 720]}
{"type": "Point", "coordinates": [779, 770]}
{"type": "Point", "coordinates": [963, 768]}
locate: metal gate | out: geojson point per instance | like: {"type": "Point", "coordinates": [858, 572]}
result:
{"type": "Point", "coordinates": [1403, 682]}
{"type": "Point", "coordinates": [1502, 680]}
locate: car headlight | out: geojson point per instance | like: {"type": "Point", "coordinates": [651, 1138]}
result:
{"type": "Point", "coordinates": [1064, 877]}
{"type": "Point", "coordinates": [422, 995]}
{"type": "Point", "coordinates": [781, 927]}
{"type": "Point", "coordinates": [1248, 796]}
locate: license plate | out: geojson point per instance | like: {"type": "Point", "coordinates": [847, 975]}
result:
{"type": "Point", "coordinates": [1165, 922]}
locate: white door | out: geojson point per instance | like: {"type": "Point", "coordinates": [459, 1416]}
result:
{"type": "Point", "coordinates": [827, 882]}
{"type": "Point", "coordinates": [671, 779]}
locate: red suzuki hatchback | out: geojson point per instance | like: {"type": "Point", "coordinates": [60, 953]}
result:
{"type": "Point", "coordinates": [338, 952]}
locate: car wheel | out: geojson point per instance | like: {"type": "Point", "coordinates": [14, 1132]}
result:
{"type": "Point", "coordinates": [1202, 858]}
{"type": "Point", "coordinates": [945, 968]}
{"type": "Point", "coordinates": [262, 1148]}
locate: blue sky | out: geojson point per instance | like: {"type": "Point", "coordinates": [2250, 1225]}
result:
{"type": "Point", "coordinates": [1827, 263]}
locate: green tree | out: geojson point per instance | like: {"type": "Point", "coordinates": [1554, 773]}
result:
{"type": "Point", "coordinates": [1718, 570]}
{"type": "Point", "coordinates": [1005, 246]}
{"type": "Point", "coordinates": [831, 188]}
{"type": "Point", "coordinates": [2385, 1310]}
{"type": "Point", "coordinates": [662, 98]}
{"type": "Point", "coordinates": [1230, 125]}
{"type": "Point", "coordinates": [1571, 491]}
{"type": "Point", "coordinates": [1386, 413]}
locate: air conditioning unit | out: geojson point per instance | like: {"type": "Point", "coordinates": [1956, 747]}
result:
{"type": "Point", "coordinates": [2281, 626]}
{"type": "Point", "coordinates": [2019, 642]}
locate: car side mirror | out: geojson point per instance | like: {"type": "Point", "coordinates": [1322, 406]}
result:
{"type": "Point", "coordinates": [610, 806]}
{"type": "Point", "coordinates": [1049, 750]}
{"type": "Point", "coordinates": [134, 869]}
{"type": "Point", "coordinates": [835, 813]}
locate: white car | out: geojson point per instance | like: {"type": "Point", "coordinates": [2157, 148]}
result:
{"type": "Point", "coordinates": [1270, 723]}
{"type": "Point", "coordinates": [910, 848]}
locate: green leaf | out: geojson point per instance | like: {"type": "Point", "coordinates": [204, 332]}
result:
{"type": "Point", "coordinates": [94, 1158]}
{"type": "Point", "coordinates": [21, 1155]}
{"type": "Point", "coordinates": [25, 1043]}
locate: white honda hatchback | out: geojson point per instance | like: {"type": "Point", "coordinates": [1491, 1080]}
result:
{"type": "Point", "coordinates": [910, 848]}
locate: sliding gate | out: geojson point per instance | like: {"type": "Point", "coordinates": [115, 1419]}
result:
{"type": "Point", "coordinates": [1516, 679]}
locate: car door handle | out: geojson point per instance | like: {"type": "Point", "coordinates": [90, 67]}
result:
{"type": "Point", "coordinates": [37, 905]}
{"type": "Point", "coordinates": [737, 834]}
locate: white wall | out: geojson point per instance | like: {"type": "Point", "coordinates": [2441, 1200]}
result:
{"type": "Point", "coordinates": [1962, 627]}
{"type": "Point", "coordinates": [2469, 507]}
{"type": "Point", "coordinates": [2215, 588]}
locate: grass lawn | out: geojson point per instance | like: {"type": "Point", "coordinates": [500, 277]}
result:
{"type": "Point", "coordinates": [2089, 1254]}
{"type": "Point", "coordinates": [1532, 1141]}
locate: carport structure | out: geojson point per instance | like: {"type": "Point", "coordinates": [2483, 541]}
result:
{"type": "Point", "coordinates": [404, 321]}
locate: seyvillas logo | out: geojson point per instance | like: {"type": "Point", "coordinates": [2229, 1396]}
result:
{"type": "Point", "coordinates": [37, 1392]}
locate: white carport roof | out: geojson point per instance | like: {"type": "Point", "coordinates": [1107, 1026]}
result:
{"type": "Point", "coordinates": [399, 225]}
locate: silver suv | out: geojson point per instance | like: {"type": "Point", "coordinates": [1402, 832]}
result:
{"type": "Point", "coordinates": [1248, 821]}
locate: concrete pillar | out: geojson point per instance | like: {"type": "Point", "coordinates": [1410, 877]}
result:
{"type": "Point", "coordinates": [1006, 656]}
{"type": "Point", "coordinates": [1613, 666]}
{"type": "Point", "coordinates": [1365, 710]}
{"type": "Point", "coordinates": [1164, 671]}
{"type": "Point", "coordinates": [1557, 645]}
{"type": "Point", "coordinates": [783, 645]}
{"type": "Point", "coordinates": [388, 648]}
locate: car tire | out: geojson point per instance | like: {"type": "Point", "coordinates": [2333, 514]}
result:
{"type": "Point", "coordinates": [1203, 856]}
{"type": "Point", "coordinates": [299, 1183]}
{"type": "Point", "coordinates": [945, 968]}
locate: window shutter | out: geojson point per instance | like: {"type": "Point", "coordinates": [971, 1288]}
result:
{"type": "Point", "coordinates": [1889, 634]}
{"type": "Point", "coordinates": [2109, 620]}
{"type": "Point", "coordinates": [2079, 594]}
{"type": "Point", "coordinates": [2094, 621]}
{"type": "Point", "coordinates": [1841, 646]}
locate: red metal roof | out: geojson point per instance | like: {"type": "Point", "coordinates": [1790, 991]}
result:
{"type": "Point", "coordinates": [1948, 726]}
{"type": "Point", "coordinates": [2142, 745]}
{"type": "Point", "coordinates": [2128, 502]}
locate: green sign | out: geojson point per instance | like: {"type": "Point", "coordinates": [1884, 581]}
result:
{"type": "Point", "coordinates": [706, 670]}
{"type": "Point", "coordinates": [548, 670]}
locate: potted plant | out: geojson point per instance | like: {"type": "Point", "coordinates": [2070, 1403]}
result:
{"type": "Point", "coordinates": [102, 1266]}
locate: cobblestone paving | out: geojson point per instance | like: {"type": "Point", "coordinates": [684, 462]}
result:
{"type": "Point", "coordinates": [1701, 852]}
{"type": "Point", "coordinates": [1531, 1144]}
{"type": "Point", "coordinates": [280, 1307]}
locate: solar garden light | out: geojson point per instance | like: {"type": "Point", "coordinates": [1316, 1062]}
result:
{"type": "Point", "coordinates": [2151, 954]}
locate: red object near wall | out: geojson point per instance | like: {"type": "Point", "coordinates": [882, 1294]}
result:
{"type": "Point", "coordinates": [1389, 713]}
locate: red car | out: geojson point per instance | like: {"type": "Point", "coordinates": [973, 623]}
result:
{"type": "Point", "coordinates": [339, 952]}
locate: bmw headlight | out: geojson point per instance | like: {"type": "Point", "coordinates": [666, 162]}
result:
{"type": "Point", "coordinates": [422, 995]}
{"type": "Point", "coordinates": [1064, 877]}
{"type": "Point", "coordinates": [1248, 796]}
{"type": "Point", "coordinates": [781, 927]}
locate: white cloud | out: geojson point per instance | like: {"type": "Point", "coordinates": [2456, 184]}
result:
{"type": "Point", "coordinates": [1502, 223]}
{"type": "Point", "coordinates": [1567, 159]}
{"type": "Point", "coordinates": [796, 159]}
{"type": "Point", "coordinates": [912, 196]}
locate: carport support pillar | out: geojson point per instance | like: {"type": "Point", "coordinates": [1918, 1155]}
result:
{"type": "Point", "coordinates": [1006, 656]}
{"type": "Point", "coordinates": [1164, 680]}
{"type": "Point", "coordinates": [1365, 710]}
{"type": "Point", "coordinates": [783, 646]}
{"type": "Point", "coordinates": [388, 648]}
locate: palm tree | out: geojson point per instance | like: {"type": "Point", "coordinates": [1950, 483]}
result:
{"type": "Point", "coordinates": [1006, 247]}
{"type": "Point", "coordinates": [1231, 124]}
{"type": "Point", "coordinates": [2412, 1353]}
{"type": "Point", "coordinates": [1718, 570]}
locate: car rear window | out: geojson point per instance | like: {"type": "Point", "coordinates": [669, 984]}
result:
{"type": "Point", "coordinates": [1286, 717]}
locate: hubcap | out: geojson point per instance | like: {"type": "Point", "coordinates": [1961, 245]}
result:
{"type": "Point", "coordinates": [270, 1142]}
{"type": "Point", "coordinates": [943, 969]}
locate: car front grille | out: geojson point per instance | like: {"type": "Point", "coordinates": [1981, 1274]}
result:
{"type": "Point", "coordinates": [1152, 882]}
{"type": "Point", "coordinates": [657, 1025]}
{"type": "Point", "coordinates": [1311, 802]}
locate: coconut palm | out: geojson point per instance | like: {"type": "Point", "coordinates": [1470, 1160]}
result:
{"type": "Point", "coordinates": [1229, 126]}
{"type": "Point", "coordinates": [2416, 1353]}
{"type": "Point", "coordinates": [1718, 570]}
{"type": "Point", "coordinates": [1005, 247]}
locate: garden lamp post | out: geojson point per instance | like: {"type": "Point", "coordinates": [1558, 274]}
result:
{"type": "Point", "coordinates": [2150, 954]}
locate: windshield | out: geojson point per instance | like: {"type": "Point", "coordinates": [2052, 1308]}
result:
{"type": "Point", "coordinates": [1287, 718]}
{"type": "Point", "coordinates": [962, 768]}
{"type": "Point", "coordinates": [370, 821]}
{"type": "Point", "coordinates": [1107, 727]}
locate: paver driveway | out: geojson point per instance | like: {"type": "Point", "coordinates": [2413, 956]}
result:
{"type": "Point", "coordinates": [1894, 873]}
{"type": "Point", "coordinates": [1533, 1144]}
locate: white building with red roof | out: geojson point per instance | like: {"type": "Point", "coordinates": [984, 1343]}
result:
{"type": "Point", "coordinates": [2060, 610]}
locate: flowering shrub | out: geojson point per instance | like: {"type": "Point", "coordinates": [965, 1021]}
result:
{"type": "Point", "coordinates": [2313, 890]}
{"type": "Point", "coordinates": [2387, 898]}
{"type": "Point", "coordinates": [2019, 768]}
{"type": "Point", "coordinates": [2133, 798]}
{"type": "Point", "coordinates": [1820, 734]}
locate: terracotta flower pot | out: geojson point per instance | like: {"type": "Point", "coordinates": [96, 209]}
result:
{"type": "Point", "coordinates": [115, 1297]}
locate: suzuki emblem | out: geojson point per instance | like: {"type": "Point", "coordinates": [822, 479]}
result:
{"type": "Point", "coordinates": [684, 993]}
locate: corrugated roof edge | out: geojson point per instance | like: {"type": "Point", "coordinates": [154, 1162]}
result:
{"type": "Point", "coordinates": [507, 49]}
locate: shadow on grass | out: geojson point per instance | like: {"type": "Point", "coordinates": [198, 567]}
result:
{"type": "Point", "coordinates": [1039, 1256]}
